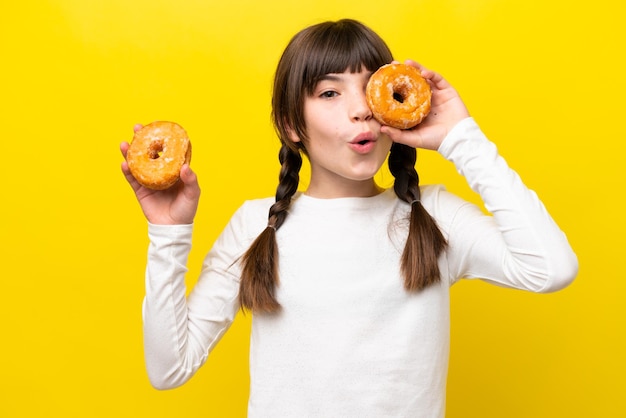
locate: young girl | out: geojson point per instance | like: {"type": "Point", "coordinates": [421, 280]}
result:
{"type": "Point", "coordinates": [348, 283]}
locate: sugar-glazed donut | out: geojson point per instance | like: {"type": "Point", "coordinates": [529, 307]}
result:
{"type": "Point", "coordinates": [157, 153]}
{"type": "Point", "coordinates": [398, 96]}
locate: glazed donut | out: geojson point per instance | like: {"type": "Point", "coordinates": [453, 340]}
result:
{"type": "Point", "coordinates": [398, 96]}
{"type": "Point", "coordinates": [157, 153]}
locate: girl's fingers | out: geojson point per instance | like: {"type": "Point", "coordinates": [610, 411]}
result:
{"type": "Point", "coordinates": [126, 171]}
{"type": "Point", "coordinates": [124, 148]}
{"type": "Point", "coordinates": [415, 64]}
{"type": "Point", "coordinates": [134, 184]}
{"type": "Point", "coordinates": [189, 178]}
{"type": "Point", "coordinates": [436, 79]}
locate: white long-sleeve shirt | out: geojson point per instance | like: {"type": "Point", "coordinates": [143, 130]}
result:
{"type": "Point", "coordinates": [349, 340]}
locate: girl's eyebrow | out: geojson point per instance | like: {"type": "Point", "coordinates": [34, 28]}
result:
{"type": "Point", "coordinates": [330, 77]}
{"type": "Point", "coordinates": [339, 78]}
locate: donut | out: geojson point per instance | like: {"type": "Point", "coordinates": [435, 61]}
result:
{"type": "Point", "coordinates": [157, 153]}
{"type": "Point", "coordinates": [398, 96]}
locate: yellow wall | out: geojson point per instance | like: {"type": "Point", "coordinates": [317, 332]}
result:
{"type": "Point", "coordinates": [545, 80]}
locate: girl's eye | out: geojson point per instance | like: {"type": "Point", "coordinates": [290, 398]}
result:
{"type": "Point", "coordinates": [328, 94]}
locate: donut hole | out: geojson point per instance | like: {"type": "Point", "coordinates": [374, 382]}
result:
{"type": "Point", "coordinates": [400, 93]}
{"type": "Point", "coordinates": [155, 150]}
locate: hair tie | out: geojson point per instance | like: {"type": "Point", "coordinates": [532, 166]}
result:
{"type": "Point", "coordinates": [414, 201]}
{"type": "Point", "coordinates": [270, 225]}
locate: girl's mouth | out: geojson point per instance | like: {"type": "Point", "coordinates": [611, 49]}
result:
{"type": "Point", "coordinates": [363, 143]}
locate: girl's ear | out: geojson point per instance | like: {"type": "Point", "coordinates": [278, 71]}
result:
{"type": "Point", "coordinates": [291, 133]}
{"type": "Point", "coordinates": [293, 137]}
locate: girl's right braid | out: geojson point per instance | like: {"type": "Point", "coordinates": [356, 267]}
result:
{"type": "Point", "coordinates": [288, 180]}
{"type": "Point", "coordinates": [259, 275]}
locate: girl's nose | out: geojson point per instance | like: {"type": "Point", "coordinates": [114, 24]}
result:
{"type": "Point", "coordinates": [360, 110]}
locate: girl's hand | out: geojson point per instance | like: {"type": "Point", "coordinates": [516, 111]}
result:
{"type": "Point", "coordinates": [174, 206]}
{"type": "Point", "coordinates": [447, 109]}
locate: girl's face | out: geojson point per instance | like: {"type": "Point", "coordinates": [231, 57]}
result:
{"type": "Point", "coordinates": [344, 146]}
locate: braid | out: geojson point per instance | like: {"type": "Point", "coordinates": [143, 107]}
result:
{"type": "Point", "coordinates": [425, 242]}
{"type": "Point", "coordinates": [402, 165]}
{"type": "Point", "coordinates": [259, 274]}
{"type": "Point", "coordinates": [288, 179]}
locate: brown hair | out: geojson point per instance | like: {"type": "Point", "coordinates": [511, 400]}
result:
{"type": "Point", "coordinates": [325, 48]}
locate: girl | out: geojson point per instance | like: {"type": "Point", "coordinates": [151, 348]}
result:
{"type": "Point", "coordinates": [348, 283]}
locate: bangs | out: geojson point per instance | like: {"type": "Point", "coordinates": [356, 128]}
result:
{"type": "Point", "coordinates": [343, 47]}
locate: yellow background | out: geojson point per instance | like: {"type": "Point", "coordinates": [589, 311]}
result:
{"type": "Point", "coordinates": [545, 80]}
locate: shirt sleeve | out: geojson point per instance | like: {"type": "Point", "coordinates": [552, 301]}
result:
{"type": "Point", "coordinates": [520, 246]}
{"type": "Point", "coordinates": [180, 331]}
